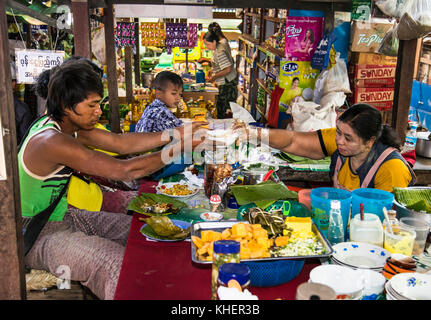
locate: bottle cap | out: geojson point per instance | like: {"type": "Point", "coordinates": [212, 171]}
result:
{"type": "Point", "coordinates": [227, 246]}
{"type": "Point", "coordinates": [237, 271]}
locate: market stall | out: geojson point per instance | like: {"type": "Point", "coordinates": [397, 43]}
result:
{"type": "Point", "coordinates": [280, 211]}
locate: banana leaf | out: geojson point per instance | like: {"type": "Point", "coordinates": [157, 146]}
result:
{"type": "Point", "coordinates": [417, 199]}
{"type": "Point", "coordinates": [262, 193]}
{"type": "Point", "coordinates": [301, 160]}
{"type": "Point", "coordinates": [139, 203]}
{"type": "Point", "coordinates": [165, 228]}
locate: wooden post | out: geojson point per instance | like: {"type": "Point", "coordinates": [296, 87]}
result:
{"type": "Point", "coordinates": [128, 73]}
{"type": "Point", "coordinates": [81, 28]}
{"type": "Point", "coordinates": [12, 279]}
{"type": "Point", "coordinates": [404, 76]}
{"type": "Point", "coordinates": [136, 58]}
{"type": "Point", "coordinates": [111, 63]}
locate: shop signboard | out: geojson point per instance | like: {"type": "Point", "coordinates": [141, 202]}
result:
{"type": "Point", "coordinates": [31, 63]}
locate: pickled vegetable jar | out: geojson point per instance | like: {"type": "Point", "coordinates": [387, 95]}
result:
{"type": "Point", "coordinates": [224, 251]}
{"type": "Point", "coordinates": [235, 275]}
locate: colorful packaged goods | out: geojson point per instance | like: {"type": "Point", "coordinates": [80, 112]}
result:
{"type": "Point", "coordinates": [303, 35]}
{"type": "Point", "coordinates": [366, 36]}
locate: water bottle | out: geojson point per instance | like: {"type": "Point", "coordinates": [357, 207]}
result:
{"type": "Point", "coordinates": [336, 228]}
{"type": "Point", "coordinates": [411, 138]}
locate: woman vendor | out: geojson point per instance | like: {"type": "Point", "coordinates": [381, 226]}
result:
{"type": "Point", "coordinates": [223, 70]}
{"type": "Point", "coordinates": [364, 152]}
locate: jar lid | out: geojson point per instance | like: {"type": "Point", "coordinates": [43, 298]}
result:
{"type": "Point", "coordinates": [227, 246]}
{"type": "Point", "coordinates": [237, 271]}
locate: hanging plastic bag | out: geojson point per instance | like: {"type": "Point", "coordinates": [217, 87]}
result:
{"type": "Point", "coordinates": [392, 8]}
{"type": "Point", "coordinates": [320, 59]}
{"type": "Point", "coordinates": [390, 43]}
{"type": "Point", "coordinates": [98, 46]}
{"type": "Point", "coordinates": [415, 20]}
{"type": "Point", "coordinates": [309, 116]}
{"type": "Point", "coordinates": [337, 79]}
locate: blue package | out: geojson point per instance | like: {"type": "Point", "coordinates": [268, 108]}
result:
{"type": "Point", "coordinates": [306, 13]}
{"type": "Point", "coordinates": [320, 59]}
{"type": "Point", "coordinates": [342, 42]}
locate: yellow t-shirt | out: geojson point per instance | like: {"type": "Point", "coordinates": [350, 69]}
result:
{"type": "Point", "coordinates": [83, 195]}
{"type": "Point", "coordinates": [392, 173]}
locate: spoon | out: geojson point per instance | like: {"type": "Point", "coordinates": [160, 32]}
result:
{"type": "Point", "coordinates": [385, 212]}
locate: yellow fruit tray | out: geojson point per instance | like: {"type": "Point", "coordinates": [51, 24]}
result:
{"type": "Point", "coordinates": [198, 227]}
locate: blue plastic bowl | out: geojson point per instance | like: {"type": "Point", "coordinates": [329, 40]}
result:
{"type": "Point", "coordinates": [273, 273]}
{"type": "Point", "coordinates": [373, 199]}
{"type": "Point", "coordinates": [321, 205]}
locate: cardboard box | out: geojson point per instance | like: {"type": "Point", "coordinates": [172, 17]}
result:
{"type": "Point", "coordinates": [366, 36]}
{"type": "Point", "coordinates": [373, 76]}
{"type": "Point", "coordinates": [381, 98]}
{"type": "Point", "coordinates": [372, 58]}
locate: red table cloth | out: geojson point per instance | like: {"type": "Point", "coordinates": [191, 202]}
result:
{"type": "Point", "coordinates": [154, 270]}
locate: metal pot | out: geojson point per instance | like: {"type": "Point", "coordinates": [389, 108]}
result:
{"type": "Point", "coordinates": [258, 176]}
{"type": "Point", "coordinates": [423, 145]}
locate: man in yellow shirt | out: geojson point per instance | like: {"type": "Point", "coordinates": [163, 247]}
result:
{"type": "Point", "coordinates": [364, 152]}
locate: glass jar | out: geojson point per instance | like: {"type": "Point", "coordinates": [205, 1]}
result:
{"type": "Point", "coordinates": [224, 251]}
{"type": "Point", "coordinates": [369, 230]}
{"type": "Point", "coordinates": [234, 271]}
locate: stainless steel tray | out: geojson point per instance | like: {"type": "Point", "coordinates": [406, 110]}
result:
{"type": "Point", "coordinates": [219, 226]}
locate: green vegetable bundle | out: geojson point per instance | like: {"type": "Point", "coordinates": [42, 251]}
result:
{"type": "Point", "coordinates": [417, 199]}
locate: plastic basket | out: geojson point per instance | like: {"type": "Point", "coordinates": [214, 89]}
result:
{"type": "Point", "coordinates": [273, 273]}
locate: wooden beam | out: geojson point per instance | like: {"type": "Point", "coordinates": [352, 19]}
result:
{"type": "Point", "coordinates": [81, 28]}
{"type": "Point", "coordinates": [111, 64]}
{"type": "Point", "coordinates": [136, 57]}
{"type": "Point", "coordinates": [128, 73]}
{"type": "Point", "coordinates": [404, 75]}
{"type": "Point", "coordinates": [20, 8]}
{"type": "Point", "coordinates": [12, 279]}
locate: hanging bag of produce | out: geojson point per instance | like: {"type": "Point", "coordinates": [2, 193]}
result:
{"type": "Point", "coordinates": [415, 20]}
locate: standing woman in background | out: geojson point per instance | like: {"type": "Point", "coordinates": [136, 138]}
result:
{"type": "Point", "coordinates": [223, 70]}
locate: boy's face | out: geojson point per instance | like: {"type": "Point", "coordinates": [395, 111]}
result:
{"type": "Point", "coordinates": [171, 95]}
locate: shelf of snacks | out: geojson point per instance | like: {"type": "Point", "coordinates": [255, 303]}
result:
{"type": "Point", "coordinates": [260, 83]}
{"type": "Point", "coordinates": [246, 77]}
{"type": "Point", "coordinates": [269, 50]}
{"type": "Point", "coordinates": [251, 41]}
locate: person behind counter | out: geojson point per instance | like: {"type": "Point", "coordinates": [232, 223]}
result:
{"type": "Point", "coordinates": [364, 152]}
{"type": "Point", "coordinates": [157, 116]}
{"type": "Point", "coordinates": [223, 70]}
{"type": "Point", "coordinates": [90, 244]}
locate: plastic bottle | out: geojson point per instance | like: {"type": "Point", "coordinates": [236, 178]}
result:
{"type": "Point", "coordinates": [411, 138]}
{"type": "Point", "coordinates": [336, 228]}
{"type": "Point", "coordinates": [393, 221]}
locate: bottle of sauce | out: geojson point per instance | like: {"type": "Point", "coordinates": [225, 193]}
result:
{"type": "Point", "coordinates": [224, 251]}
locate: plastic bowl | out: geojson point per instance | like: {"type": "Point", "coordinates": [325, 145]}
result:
{"type": "Point", "coordinates": [273, 273]}
{"type": "Point", "coordinates": [401, 241]}
{"type": "Point", "coordinates": [373, 199]}
{"type": "Point", "coordinates": [321, 205]}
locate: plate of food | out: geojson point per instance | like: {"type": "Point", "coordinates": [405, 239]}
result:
{"type": "Point", "coordinates": [152, 204]}
{"type": "Point", "coordinates": [177, 189]}
{"type": "Point", "coordinates": [162, 228]}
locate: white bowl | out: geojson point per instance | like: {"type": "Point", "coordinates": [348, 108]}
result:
{"type": "Point", "coordinates": [211, 216]}
{"type": "Point", "coordinates": [345, 281]}
{"type": "Point", "coordinates": [373, 281]}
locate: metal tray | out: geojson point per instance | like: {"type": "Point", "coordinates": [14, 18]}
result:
{"type": "Point", "coordinates": [219, 226]}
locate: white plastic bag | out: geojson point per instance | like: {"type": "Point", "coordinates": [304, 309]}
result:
{"type": "Point", "coordinates": [240, 113]}
{"type": "Point", "coordinates": [337, 78]}
{"type": "Point", "coordinates": [98, 46]}
{"type": "Point", "coordinates": [318, 86]}
{"type": "Point", "coordinates": [309, 116]}
{"type": "Point", "coordinates": [333, 99]}
{"type": "Point", "coordinates": [392, 8]}
{"type": "Point", "coordinates": [415, 20]}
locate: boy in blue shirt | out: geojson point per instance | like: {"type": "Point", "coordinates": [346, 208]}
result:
{"type": "Point", "coordinates": [157, 116]}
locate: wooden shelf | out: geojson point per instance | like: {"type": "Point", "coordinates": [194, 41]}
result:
{"type": "Point", "coordinates": [247, 78]}
{"type": "Point", "coordinates": [274, 19]}
{"type": "Point", "coordinates": [260, 83]}
{"type": "Point", "coordinates": [425, 60]}
{"type": "Point", "coordinates": [242, 54]}
{"type": "Point", "coordinates": [243, 94]}
{"type": "Point", "coordinates": [249, 39]}
{"type": "Point", "coordinates": [261, 112]}
{"type": "Point", "coordinates": [252, 14]}
{"type": "Point", "coordinates": [265, 48]}
{"type": "Point", "coordinates": [261, 67]}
